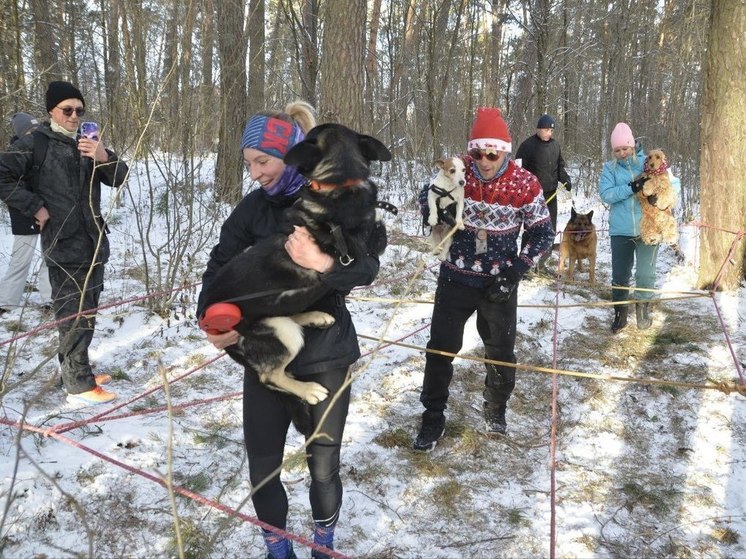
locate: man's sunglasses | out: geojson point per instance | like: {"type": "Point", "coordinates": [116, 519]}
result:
{"type": "Point", "coordinates": [68, 111]}
{"type": "Point", "coordinates": [478, 154]}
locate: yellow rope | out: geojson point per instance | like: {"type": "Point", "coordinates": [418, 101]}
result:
{"type": "Point", "coordinates": [724, 387]}
{"type": "Point", "coordinates": [547, 306]}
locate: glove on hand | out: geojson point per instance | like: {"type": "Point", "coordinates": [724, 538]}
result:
{"type": "Point", "coordinates": [652, 199]}
{"type": "Point", "coordinates": [636, 185]}
{"type": "Point", "coordinates": [568, 186]}
{"type": "Point", "coordinates": [500, 290]}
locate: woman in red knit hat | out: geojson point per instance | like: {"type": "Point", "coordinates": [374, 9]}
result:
{"type": "Point", "coordinates": [482, 271]}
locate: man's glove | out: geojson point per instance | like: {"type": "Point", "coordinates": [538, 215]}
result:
{"type": "Point", "coordinates": [500, 290]}
{"type": "Point", "coordinates": [568, 186]}
{"type": "Point", "coordinates": [636, 185]}
{"type": "Point", "coordinates": [653, 199]}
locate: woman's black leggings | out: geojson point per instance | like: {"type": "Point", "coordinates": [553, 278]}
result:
{"type": "Point", "coordinates": [265, 425]}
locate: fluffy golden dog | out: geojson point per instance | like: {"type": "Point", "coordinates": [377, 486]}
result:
{"type": "Point", "coordinates": [657, 199]}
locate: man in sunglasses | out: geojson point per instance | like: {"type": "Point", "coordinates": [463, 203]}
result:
{"type": "Point", "coordinates": [541, 155]}
{"type": "Point", "coordinates": [481, 274]}
{"type": "Point", "coordinates": [66, 205]}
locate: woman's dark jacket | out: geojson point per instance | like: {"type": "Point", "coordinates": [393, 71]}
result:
{"type": "Point", "coordinates": [70, 188]}
{"type": "Point", "coordinates": [258, 216]}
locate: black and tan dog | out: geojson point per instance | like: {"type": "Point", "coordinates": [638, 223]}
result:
{"type": "Point", "coordinates": [338, 208]}
{"type": "Point", "coordinates": [579, 242]}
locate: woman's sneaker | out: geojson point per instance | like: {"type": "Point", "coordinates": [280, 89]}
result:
{"type": "Point", "coordinates": [433, 427]}
{"type": "Point", "coordinates": [102, 379]}
{"type": "Point", "coordinates": [93, 397]}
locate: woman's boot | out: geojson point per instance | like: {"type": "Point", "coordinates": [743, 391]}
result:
{"type": "Point", "coordinates": [644, 320]}
{"type": "Point", "coordinates": [620, 318]}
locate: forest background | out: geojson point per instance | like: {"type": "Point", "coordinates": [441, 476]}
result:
{"type": "Point", "coordinates": [173, 82]}
{"type": "Point", "coordinates": [181, 77]}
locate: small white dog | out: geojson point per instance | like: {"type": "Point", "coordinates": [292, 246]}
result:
{"type": "Point", "coordinates": [447, 189]}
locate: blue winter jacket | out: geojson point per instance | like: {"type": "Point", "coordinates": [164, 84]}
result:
{"type": "Point", "coordinates": [624, 207]}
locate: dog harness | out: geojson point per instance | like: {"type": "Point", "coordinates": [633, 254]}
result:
{"type": "Point", "coordinates": [443, 214]}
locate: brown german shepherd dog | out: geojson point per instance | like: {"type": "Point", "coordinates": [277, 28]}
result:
{"type": "Point", "coordinates": [579, 242]}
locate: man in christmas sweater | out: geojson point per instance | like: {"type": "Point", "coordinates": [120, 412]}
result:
{"type": "Point", "coordinates": [482, 272]}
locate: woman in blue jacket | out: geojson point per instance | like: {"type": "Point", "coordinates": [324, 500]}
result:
{"type": "Point", "coordinates": [618, 188]}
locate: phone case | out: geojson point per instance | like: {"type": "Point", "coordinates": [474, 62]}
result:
{"type": "Point", "coordinates": [89, 130]}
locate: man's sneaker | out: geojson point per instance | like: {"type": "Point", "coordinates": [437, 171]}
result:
{"type": "Point", "coordinates": [495, 420]}
{"type": "Point", "coordinates": [102, 379]}
{"type": "Point", "coordinates": [433, 427]}
{"type": "Point", "coordinates": [96, 396]}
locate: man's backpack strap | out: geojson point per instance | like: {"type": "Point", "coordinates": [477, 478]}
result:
{"type": "Point", "coordinates": [41, 143]}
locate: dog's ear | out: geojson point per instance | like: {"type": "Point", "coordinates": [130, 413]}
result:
{"type": "Point", "coordinates": [372, 149]}
{"type": "Point", "coordinates": [573, 214]}
{"type": "Point", "coordinates": [304, 155]}
{"type": "Point", "coordinates": [439, 163]}
{"type": "Point", "coordinates": [590, 215]}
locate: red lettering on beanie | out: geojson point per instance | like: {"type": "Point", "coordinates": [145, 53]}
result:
{"type": "Point", "coordinates": [276, 135]}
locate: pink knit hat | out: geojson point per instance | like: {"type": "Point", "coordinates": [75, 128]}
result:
{"type": "Point", "coordinates": [622, 136]}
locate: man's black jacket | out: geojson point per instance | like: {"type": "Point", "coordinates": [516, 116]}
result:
{"type": "Point", "coordinates": [69, 186]}
{"type": "Point", "coordinates": [544, 159]}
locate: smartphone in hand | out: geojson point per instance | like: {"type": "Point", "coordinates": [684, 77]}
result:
{"type": "Point", "coordinates": [89, 130]}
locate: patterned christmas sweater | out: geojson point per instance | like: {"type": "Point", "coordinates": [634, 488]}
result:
{"type": "Point", "coordinates": [494, 212]}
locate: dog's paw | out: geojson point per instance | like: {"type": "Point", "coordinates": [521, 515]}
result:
{"type": "Point", "coordinates": [313, 393]}
{"type": "Point", "coordinates": [314, 319]}
{"type": "Point", "coordinates": [432, 220]}
{"type": "Point", "coordinates": [460, 225]}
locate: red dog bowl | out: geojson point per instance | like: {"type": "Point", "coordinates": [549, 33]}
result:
{"type": "Point", "coordinates": [220, 318]}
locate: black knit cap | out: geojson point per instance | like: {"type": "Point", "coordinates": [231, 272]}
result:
{"type": "Point", "coordinates": [59, 91]}
{"type": "Point", "coordinates": [545, 121]}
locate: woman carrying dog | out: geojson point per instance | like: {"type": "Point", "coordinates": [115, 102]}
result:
{"type": "Point", "coordinates": [327, 353]}
{"type": "Point", "coordinates": [621, 180]}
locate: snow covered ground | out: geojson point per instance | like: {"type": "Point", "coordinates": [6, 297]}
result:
{"type": "Point", "coordinates": [641, 468]}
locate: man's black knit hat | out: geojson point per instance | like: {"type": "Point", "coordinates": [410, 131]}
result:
{"type": "Point", "coordinates": [59, 91]}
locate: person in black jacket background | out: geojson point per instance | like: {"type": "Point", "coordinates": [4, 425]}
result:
{"type": "Point", "coordinates": [327, 353]}
{"type": "Point", "coordinates": [66, 205]}
{"type": "Point", "coordinates": [25, 238]}
{"type": "Point", "coordinates": [541, 155]}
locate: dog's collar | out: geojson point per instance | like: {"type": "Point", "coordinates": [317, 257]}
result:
{"type": "Point", "coordinates": [659, 171]}
{"type": "Point", "coordinates": [316, 185]}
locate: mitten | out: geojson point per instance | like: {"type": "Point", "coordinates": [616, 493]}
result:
{"type": "Point", "coordinates": [500, 290]}
{"type": "Point", "coordinates": [637, 184]}
{"type": "Point", "coordinates": [653, 199]}
{"type": "Point", "coordinates": [568, 186]}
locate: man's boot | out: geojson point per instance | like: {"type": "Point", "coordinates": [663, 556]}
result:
{"type": "Point", "coordinates": [433, 427]}
{"type": "Point", "coordinates": [620, 318]}
{"type": "Point", "coordinates": [644, 319]}
{"type": "Point", "coordinates": [494, 417]}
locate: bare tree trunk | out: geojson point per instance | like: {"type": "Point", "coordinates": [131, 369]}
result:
{"type": "Point", "coordinates": [257, 68]}
{"type": "Point", "coordinates": [722, 194]}
{"type": "Point", "coordinates": [233, 99]}
{"type": "Point", "coordinates": [47, 55]}
{"type": "Point", "coordinates": [343, 63]}
{"type": "Point", "coordinates": [493, 56]}
{"type": "Point", "coordinates": [112, 66]}
{"type": "Point", "coordinates": [372, 90]}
